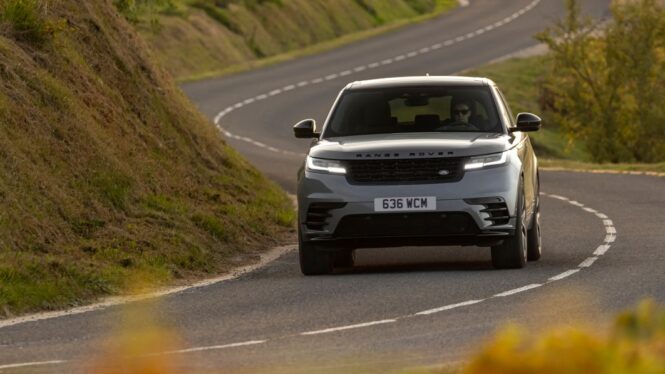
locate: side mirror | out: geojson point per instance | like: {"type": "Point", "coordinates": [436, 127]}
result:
{"type": "Point", "coordinates": [527, 122]}
{"type": "Point", "coordinates": [305, 129]}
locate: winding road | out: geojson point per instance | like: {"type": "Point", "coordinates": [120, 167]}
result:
{"type": "Point", "coordinates": [402, 307]}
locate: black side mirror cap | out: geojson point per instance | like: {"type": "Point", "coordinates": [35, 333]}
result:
{"type": "Point", "coordinates": [527, 122]}
{"type": "Point", "coordinates": [305, 129]}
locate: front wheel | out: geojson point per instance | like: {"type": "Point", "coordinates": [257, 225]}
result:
{"type": "Point", "coordinates": [533, 242]}
{"type": "Point", "coordinates": [512, 253]}
{"type": "Point", "coordinates": [313, 260]}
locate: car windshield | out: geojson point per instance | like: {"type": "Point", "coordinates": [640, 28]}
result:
{"type": "Point", "coordinates": [414, 109]}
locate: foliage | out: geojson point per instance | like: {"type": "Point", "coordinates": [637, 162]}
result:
{"type": "Point", "coordinates": [635, 344]}
{"type": "Point", "coordinates": [28, 19]}
{"type": "Point", "coordinates": [606, 84]}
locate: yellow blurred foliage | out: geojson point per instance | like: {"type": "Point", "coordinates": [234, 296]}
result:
{"type": "Point", "coordinates": [635, 344]}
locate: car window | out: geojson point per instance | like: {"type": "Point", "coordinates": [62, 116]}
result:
{"type": "Point", "coordinates": [414, 109]}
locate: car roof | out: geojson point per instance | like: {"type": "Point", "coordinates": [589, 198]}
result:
{"type": "Point", "coordinates": [426, 80]}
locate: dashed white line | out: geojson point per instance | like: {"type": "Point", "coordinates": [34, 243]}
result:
{"type": "Point", "coordinates": [345, 73]}
{"type": "Point", "coordinates": [610, 238]}
{"type": "Point", "coordinates": [424, 50]}
{"type": "Point", "coordinates": [288, 88]}
{"type": "Point", "coordinates": [601, 215]}
{"type": "Point", "coordinates": [448, 307]}
{"type": "Point", "coordinates": [36, 363]}
{"type": "Point", "coordinates": [317, 80]}
{"type": "Point", "coordinates": [303, 83]}
{"type": "Point", "coordinates": [349, 327]}
{"type": "Point", "coordinates": [518, 290]}
{"type": "Point", "coordinates": [275, 92]}
{"type": "Point", "coordinates": [331, 76]}
{"type": "Point", "coordinates": [610, 230]}
{"type": "Point", "coordinates": [373, 65]}
{"type": "Point", "coordinates": [608, 222]}
{"type": "Point", "coordinates": [261, 97]}
{"type": "Point", "coordinates": [601, 250]}
{"type": "Point", "coordinates": [588, 262]}
{"type": "Point", "coordinates": [590, 210]}
{"type": "Point", "coordinates": [387, 61]}
{"type": "Point", "coordinates": [249, 101]}
{"type": "Point", "coordinates": [565, 274]}
{"type": "Point", "coordinates": [213, 347]}
{"type": "Point", "coordinates": [412, 54]}
{"type": "Point", "coordinates": [359, 69]}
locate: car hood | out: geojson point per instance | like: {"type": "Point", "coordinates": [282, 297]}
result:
{"type": "Point", "coordinates": [411, 145]}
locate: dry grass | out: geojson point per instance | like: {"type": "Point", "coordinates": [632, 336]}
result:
{"type": "Point", "coordinates": [106, 169]}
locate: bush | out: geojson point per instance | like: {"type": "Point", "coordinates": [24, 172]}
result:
{"type": "Point", "coordinates": [28, 19]}
{"type": "Point", "coordinates": [606, 84]}
{"type": "Point", "coordinates": [636, 344]}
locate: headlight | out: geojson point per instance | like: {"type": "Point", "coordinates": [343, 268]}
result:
{"type": "Point", "coordinates": [485, 161]}
{"type": "Point", "coordinates": [325, 166]}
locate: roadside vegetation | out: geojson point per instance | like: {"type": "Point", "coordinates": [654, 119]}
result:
{"type": "Point", "coordinates": [601, 106]}
{"type": "Point", "coordinates": [203, 38]}
{"type": "Point", "coordinates": [635, 343]}
{"type": "Point", "coordinates": [108, 174]}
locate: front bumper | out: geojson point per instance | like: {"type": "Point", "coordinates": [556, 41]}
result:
{"type": "Point", "coordinates": [454, 201]}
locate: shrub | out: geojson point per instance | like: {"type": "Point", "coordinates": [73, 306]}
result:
{"type": "Point", "coordinates": [635, 344]}
{"type": "Point", "coordinates": [28, 19]}
{"type": "Point", "coordinates": [606, 84]}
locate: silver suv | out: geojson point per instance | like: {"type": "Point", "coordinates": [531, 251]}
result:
{"type": "Point", "coordinates": [418, 161]}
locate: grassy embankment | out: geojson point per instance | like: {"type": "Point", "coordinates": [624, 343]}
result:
{"type": "Point", "coordinates": [520, 80]}
{"type": "Point", "coordinates": [107, 173]}
{"type": "Point", "coordinates": [197, 39]}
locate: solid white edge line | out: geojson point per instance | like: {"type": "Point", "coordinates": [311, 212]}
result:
{"type": "Point", "coordinates": [36, 363]}
{"type": "Point", "coordinates": [266, 258]}
{"type": "Point", "coordinates": [518, 290]}
{"type": "Point", "coordinates": [348, 327]}
{"type": "Point", "coordinates": [448, 307]}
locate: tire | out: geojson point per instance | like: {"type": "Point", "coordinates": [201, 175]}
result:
{"type": "Point", "coordinates": [512, 253]}
{"type": "Point", "coordinates": [533, 240]}
{"type": "Point", "coordinates": [344, 258]}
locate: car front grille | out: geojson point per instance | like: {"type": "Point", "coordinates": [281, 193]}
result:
{"type": "Point", "coordinates": [399, 171]}
{"type": "Point", "coordinates": [406, 224]}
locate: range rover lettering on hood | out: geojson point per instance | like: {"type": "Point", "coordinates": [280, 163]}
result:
{"type": "Point", "coordinates": [397, 155]}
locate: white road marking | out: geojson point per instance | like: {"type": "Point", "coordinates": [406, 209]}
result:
{"type": "Point", "coordinates": [345, 73]}
{"type": "Point", "coordinates": [387, 61]}
{"type": "Point", "coordinates": [610, 230]}
{"type": "Point", "coordinates": [448, 307]}
{"type": "Point", "coordinates": [317, 80]}
{"type": "Point", "coordinates": [601, 215]}
{"type": "Point", "coordinates": [559, 197]}
{"type": "Point", "coordinates": [349, 327]}
{"type": "Point", "coordinates": [303, 83]}
{"type": "Point", "coordinates": [424, 50]}
{"type": "Point", "coordinates": [289, 87]}
{"type": "Point", "coordinates": [601, 249]}
{"type": "Point", "coordinates": [518, 290]}
{"type": "Point", "coordinates": [588, 262]}
{"type": "Point", "coordinates": [412, 54]}
{"type": "Point", "coordinates": [463, 3]}
{"type": "Point", "coordinates": [262, 97]}
{"type": "Point", "coordinates": [211, 348]}
{"type": "Point", "coordinates": [36, 363]}
{"type": "Point", "coordinates": [373, 65]}
{"type": "Point", "coordinates": [359, 69]}
{"type": "Point", "coordinates": [590, 210]}
{"type": "Point", "coordinates": [400, 58]}
{"type": "Point", "coordinates": [275, 92]}
{"type": "Point", "coordinates": [610, 238]}
{"type": "Point", "coordinates": [331, 76]}
{"type": "Point", "coordinates": [249, 101]}
{"type": "Point", "coordinates": [608, 222]}
{"type": "Point", "coordinates": [573, 202]}
{"type": "Point", "coordinates": [565, 274]}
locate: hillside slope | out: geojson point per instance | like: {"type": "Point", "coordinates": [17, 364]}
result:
{"type": "Point", "coordinates": [195, 38]}
{"type": "Point", "coordinates": [108, 175]}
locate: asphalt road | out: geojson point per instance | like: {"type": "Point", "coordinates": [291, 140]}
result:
{"type": "Point", "coordinates": [602, 237]}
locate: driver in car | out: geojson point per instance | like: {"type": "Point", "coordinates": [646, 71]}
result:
{"type": "Point", "coordinates": [460, 115]}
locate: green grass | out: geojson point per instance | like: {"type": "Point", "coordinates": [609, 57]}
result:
{"type": "Point", "coordinates": [109, 178]}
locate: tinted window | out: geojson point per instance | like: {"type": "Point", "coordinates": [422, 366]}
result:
{"type": "Point", "coordinates": [414, 109]}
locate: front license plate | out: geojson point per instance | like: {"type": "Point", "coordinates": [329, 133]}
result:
{"type": "Point", "coordinates": [404, 204]}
